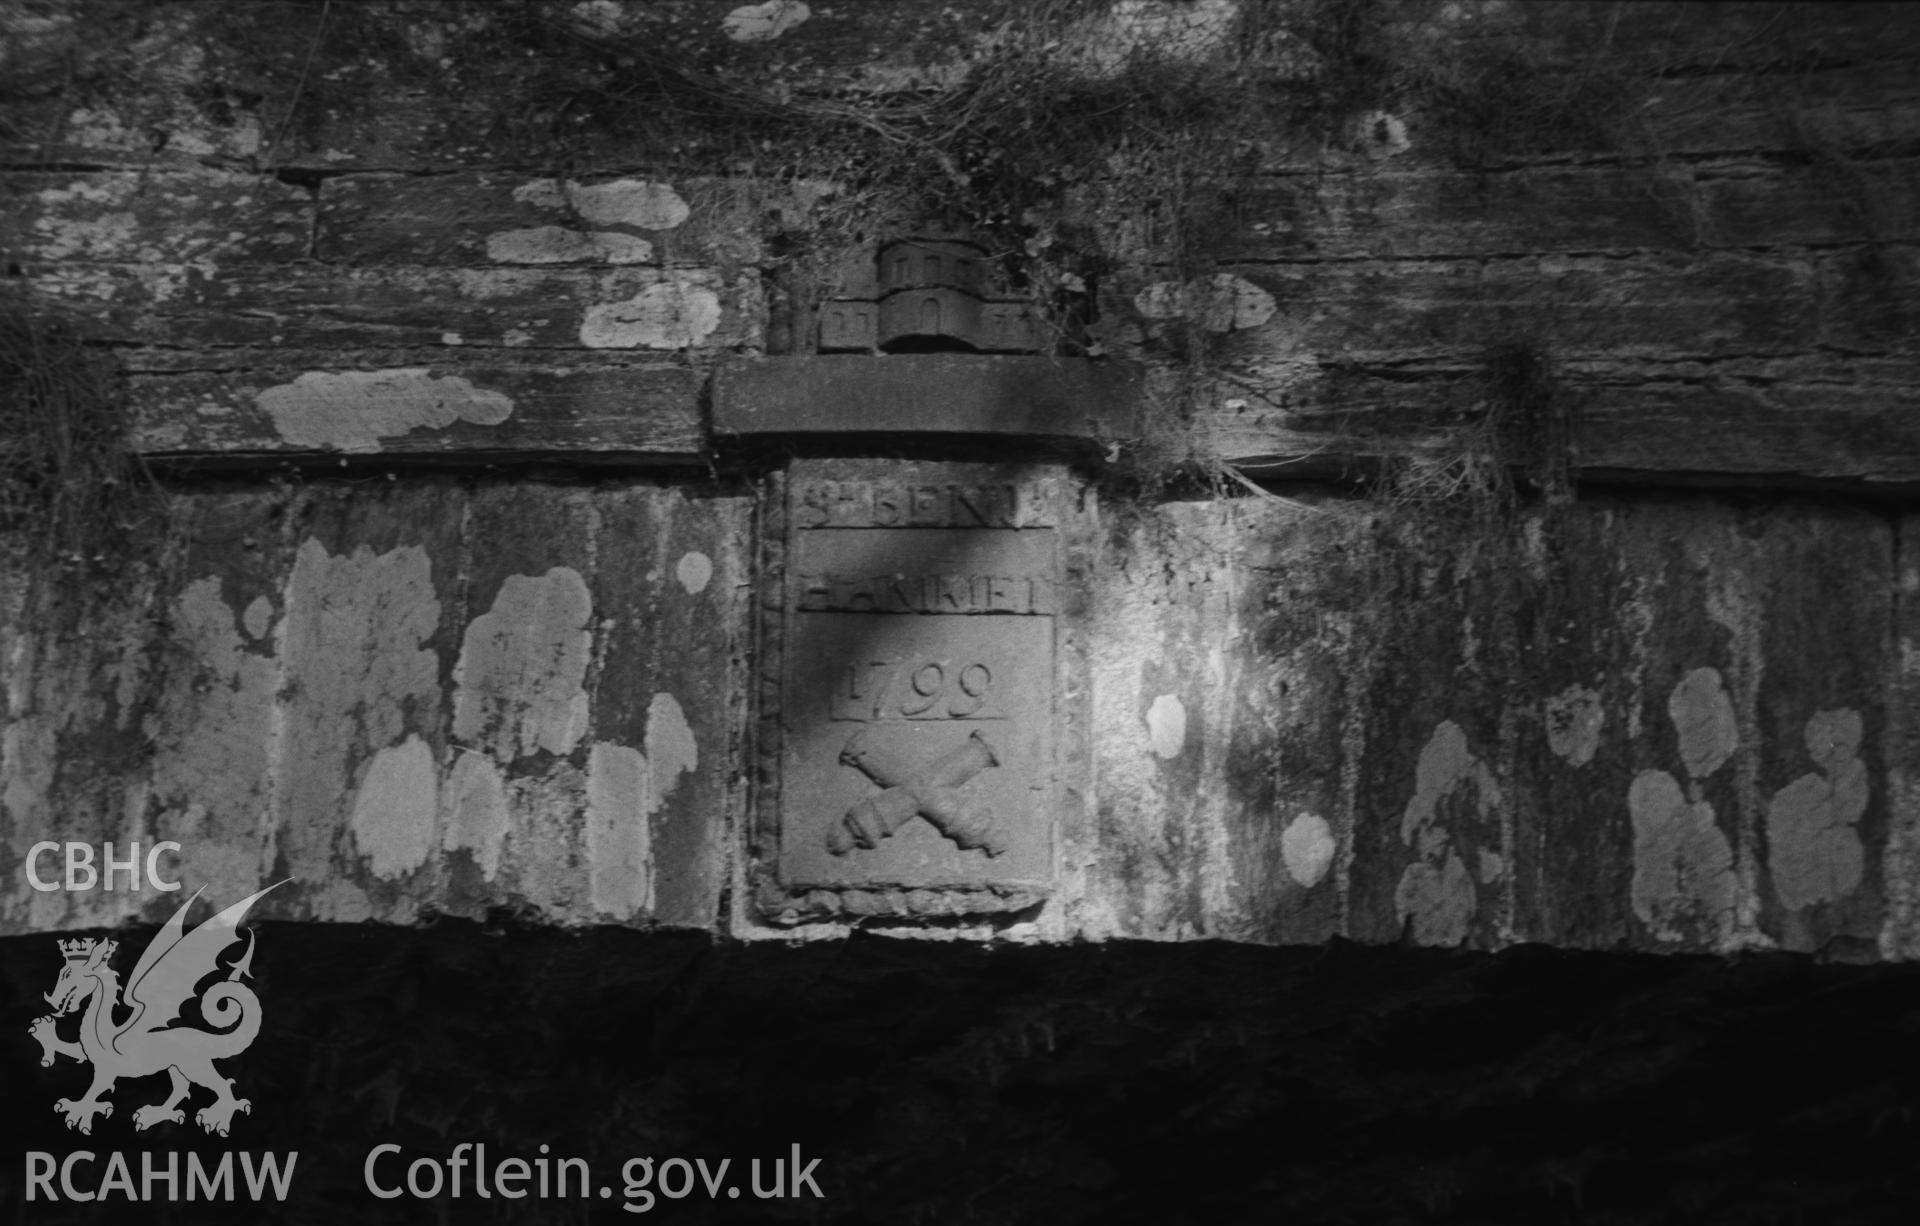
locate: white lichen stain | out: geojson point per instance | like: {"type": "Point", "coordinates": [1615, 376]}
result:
{"type": "Point", "coordinates": [1223, 302]}
{"type": "Point", "coordinates": [258, 618]}
{"type": "Point", "coordinates": [637, 203]}
{"type": "Point", "coordinates": [340, 900]}
{"type": "Point", "coordinates": [541, 194]}
{"type": "Point", "coordinates": [670, 746]}
{"type": "Point", "coordinates": [357, 669]}
{"type": "Point", "coordinates": [1167, 726]}
{"type": "Point", "coordinates": [1703, 718]}
{"type": "Point", "coordinates": [1814, 849]}
{"type": "Point", "coordinates": [210, 730]}
{"type": "Point", "coordinates": [762, 23]}
{"type": "Point", "coordinates": [89, 128]}
{"type": "Point", "coordinates": [695, 571]}
{"type": "Point", "coordinates": [1436, 892]}
{"type": "Point", "coordinates": [121, 217]}
{"type": "Point", "coordinates": [1683, 872]}
{"type": "Point", "coordinates": [353, 410]}
{"type": "Point", "coordinates": [669, 315]}
{"type": "Point", "coordinates": [625, 788]}
{"type": "Point", "coordinates": [518, 682]}
{"type": "Point", "coordinates": [1682, 864]}
{"type": "Point", "coordinates": [1574, 718]}
{"type": "Point", "coordinates": [100, 236]}
{"type": "Point", "coordinates": [1382, 134]}
{"type": "Point", "coordinates": [473, 811]}
{"type": "Point", "coordinates": [1439, 899]}
{"type": "Point", "coordinates": [557, 245]}
{"type": "Point", "coordinates": [1306, 848]}
{"type": "Point", "coordinates": [395, 808]}
{"type": "Point", "coordinates": [619, 839]}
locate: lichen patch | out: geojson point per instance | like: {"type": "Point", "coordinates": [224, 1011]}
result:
{"type": "Point", "coordinates": [209, 730]}
{"type": "Point", "coordinates": [695, 571]}
{"type": "Point", "coordinates": [1684, 886]}
{"type": "Point", "coordinates": [618, 838]}
{"type": "Point", "coordinates": [395, 809]}
{"type": "Point", "coordinates": [1306, 848]}
{"type": "Point", "coordinates": [762, 23]}
{"type": "Point", "coordinates": [1683, 881]}
{"type": "Point", "coordinates": [1167, 726]}
{"type": "Point", "coordinates": [1436, 895]}
{"type": "Point", "coordinates": [558, 245]}
{"type": "Point", "coordinates": [1814, 849]}
{"type": "Point", "coordinates": [637, 203]}
{"type": "Point", "coordinates": [669, 315]}
{"type": "Point", "coordinates": [1703, 719]}
{"type": "Point", "coordinates": [354, 410]}
{"type": "Point", "coordinates": [473, 811]}
{"type": "Point", "coordinates": [353, 643]}
{"type": "Point", "coordinates": [518, 683]}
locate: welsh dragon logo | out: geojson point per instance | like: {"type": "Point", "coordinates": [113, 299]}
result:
{"type": "Point", "coordinates": [150, 1035]}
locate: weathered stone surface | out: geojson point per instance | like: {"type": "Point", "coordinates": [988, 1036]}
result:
{"type": "Point", "coordinates": [926, 393]}
{"type": "Point", "coordinates": [489, 219]}
{"type": "Point", "coordinates": [405, 699]}
{"type": "Point", "coordinates": [1671, 725]}
{"type": "Point", "coordinates": [1640, 722]}
{"type": "Point", "coordinates": [163, 217]}
{"type": "Point", "coordinates": [400, 403]}
{"type": "Point", "coordinates": [1810, 417]}
{"type": "Point", "coordinates": [1225, 715]}
{"type": "Point", "coordinates": [191, 305]}
{"type": "Point", "coordinates": [1848, 112]}
{"type": "Point", "coordinates": [1665, 305]}
{"type": "Point", "coordinates": [1316, 721]}
{"type": "Point", "coordinates": [1900, 938]}
{"type": "Point", "coordinates": [1374, 212]}
{"type": "Point", "coordinates": [1869, 299]}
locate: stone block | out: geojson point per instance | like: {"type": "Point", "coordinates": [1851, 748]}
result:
{"type": "Point", "coordinates": [1036, 397]}
{"type": "Point", "coordinates": [918, 671]}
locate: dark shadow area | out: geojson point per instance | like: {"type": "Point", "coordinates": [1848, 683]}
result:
{"type": "Point", "coordinates": [915, 343]}
{"type": "Point", "coordinates": [1117, 1083]}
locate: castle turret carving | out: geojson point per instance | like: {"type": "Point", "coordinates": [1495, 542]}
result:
{"type": "Point", "coordinates": [930, 294]}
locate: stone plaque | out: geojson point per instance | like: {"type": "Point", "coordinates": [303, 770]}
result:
{"type": "Point", "coordinates": [921, 694]}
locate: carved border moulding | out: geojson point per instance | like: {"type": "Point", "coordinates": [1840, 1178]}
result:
{"type": "Point", "coordinates": [921, 728]}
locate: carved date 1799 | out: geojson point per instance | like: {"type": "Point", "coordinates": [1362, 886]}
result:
{"type": "Point", "coordinates": [917, 697]}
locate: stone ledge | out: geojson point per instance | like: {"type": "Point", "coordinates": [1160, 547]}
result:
{"type": "Point", "coordinates": [945, 393]}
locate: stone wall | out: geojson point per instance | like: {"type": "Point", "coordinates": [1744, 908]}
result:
{"type": "Point", "coordinates": [1478, 550]}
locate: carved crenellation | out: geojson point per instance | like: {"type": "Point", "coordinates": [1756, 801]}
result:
{"type": "Point", "coordinates": [931, 290]}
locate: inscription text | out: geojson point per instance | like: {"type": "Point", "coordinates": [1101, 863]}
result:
{"type": "Point", "coordinates": [895, 688]}
{"type": "Point", "coordinates": [885, 504]}
{"type": "Point", "coordinates": [903, 593]}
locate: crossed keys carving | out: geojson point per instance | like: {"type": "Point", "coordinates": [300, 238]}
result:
{"type": "Point", "coordinates": [933, 792]}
